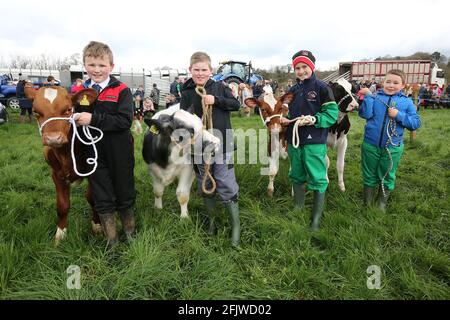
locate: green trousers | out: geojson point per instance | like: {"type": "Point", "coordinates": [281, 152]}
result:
{"type": "Point", "coordinates": [375, 162]}
{"type": "Point", "coordinates": [308, 164]}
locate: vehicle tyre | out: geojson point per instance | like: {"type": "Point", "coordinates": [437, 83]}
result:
{"type": "Point", "coordinates": [13, 103]}
{"type": "Point", "coordinates": [233, 83]}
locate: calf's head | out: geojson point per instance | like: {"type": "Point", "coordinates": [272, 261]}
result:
{"type": "Point", "coordinates": [55, 102]}
{"type": "Point", "coordinates": [342, 91]}
{"type": "Point", "coordinates": [272, 109]}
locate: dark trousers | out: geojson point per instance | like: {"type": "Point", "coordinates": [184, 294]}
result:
{"type": "Point", "coordinates": [113, 181]}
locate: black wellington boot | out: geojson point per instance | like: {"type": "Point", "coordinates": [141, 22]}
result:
{"type": "Point", "coordinates": [319, 202]}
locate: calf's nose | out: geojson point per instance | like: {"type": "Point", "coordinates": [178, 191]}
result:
{"type": "Point", "coordinates": [53, 139]}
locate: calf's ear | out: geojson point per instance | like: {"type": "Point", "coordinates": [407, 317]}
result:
{"type": "Point", "coordinates": [85, 97]}
{"type": "Point", "coordinates": [287, 98]}
{"type": "Point", "coordinates": [30, 93]}
{"type": "Point", "coordinates": [152, 122]}
{"type": "Point", "coordinates": [252, 102]}
{"type": "Point", "coordinates": [154, 125]}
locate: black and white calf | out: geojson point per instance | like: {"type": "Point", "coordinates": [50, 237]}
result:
{"type": "Point", "coordinates": [337, 135]}
{"type": "Point", "coordinates": [167, 151]}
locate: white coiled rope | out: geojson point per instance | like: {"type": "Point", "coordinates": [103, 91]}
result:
{"type": "Point", "coordinates": [92, 141]}
{"type": "Point", "coordinates": [299, 122]}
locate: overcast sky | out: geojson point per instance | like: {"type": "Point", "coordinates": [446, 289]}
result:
{"type": "Point", "coordinates": [150, 34]}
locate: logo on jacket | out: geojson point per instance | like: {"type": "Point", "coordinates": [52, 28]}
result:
{"type": "Point", "coordinates": [309, 137]}
{"type": "Point", "coordinates": [311, 96]}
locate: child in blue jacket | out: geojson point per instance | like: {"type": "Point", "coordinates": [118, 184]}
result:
{"type": "Point", "coordinates": [387, 112]}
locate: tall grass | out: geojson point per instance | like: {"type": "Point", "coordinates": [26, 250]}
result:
{"type": "Point", "coordinates": [280, 258]}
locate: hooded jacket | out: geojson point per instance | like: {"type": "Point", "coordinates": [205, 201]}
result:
{"type": "Point", "coordinates": [224, 103]}
{"type": "Point", "coordinates": [375, 111]}
{"type": "Point", "coordinates": [312, 97]}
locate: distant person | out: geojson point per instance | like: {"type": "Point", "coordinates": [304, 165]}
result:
{"type": "Point", "coordinates": [382, 148]}
{"type": "Point", "coordinates": [373, 87]}
{"type": "Point", "coordinates": [154, 95]}
{"type": "Point", "coordinates": [257, 92]}
{"type": "Point", "coordinates": [447, 90]}
{"type": "Point", "coordinates": [289, 85]}
{"type": "Point", "coordinates": [274, 86]}
{"type": "Point", "coordinates": [51, 81]}
{"type": "Point", "coordinates": [149, 107]}
{"type": "Point", "coordinates": [170, 100]}
{"type": "Point", "coordinates": [139, 97]}
{"type": "Point", "coordinates": [77, 86]}
{"type": "Point", "coordinates": [175, 89]}
{"type": "Point", "coordinates": [25, 104]}
{"type": "Point", "coordinates": [245, 92]}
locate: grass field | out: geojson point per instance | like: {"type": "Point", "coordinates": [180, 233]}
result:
{"type": "Point", "coordinates": [280, 257]}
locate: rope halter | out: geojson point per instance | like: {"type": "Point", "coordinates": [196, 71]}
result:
{"type": "Point", "coordinates": [346, 96]}
{"type": "Point", "coordinates": [86, 130]}
{"type": "Point", "coordinates": [269, 118]}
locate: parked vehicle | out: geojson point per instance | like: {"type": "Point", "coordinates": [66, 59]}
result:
{"type": "Point", "coordinates": [417, 71]}
{"type": "Point", "coordinates": [236, 72]}
{"type": "Point", "coordinates": [8, 92]}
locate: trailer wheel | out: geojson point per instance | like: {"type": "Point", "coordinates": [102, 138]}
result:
{"type": "Point", "coordinates": [13, 103]}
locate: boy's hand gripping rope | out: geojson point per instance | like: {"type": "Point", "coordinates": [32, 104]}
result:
{"type": "Point", "coordinates": [300, 122]}
{"type": "Point", "coordinates": [207, 125]}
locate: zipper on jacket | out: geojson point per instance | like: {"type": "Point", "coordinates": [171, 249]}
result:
{"type": "Point", "coordinates": [384, 122]}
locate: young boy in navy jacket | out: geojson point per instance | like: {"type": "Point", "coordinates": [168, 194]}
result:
{"type": "Point", "coordinates": [315, 111]}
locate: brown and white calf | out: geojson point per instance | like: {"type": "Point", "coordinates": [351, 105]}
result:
{"type": "Point", "coordinates": [271, 111]}
{"type": "Point", "coordinates": [337, 135]}
{"type": "Point", "coordinates": [52, 107]}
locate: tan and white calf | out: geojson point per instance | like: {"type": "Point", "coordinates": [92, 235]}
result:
{"type": "Point", "coordinates": [271, 111]}
{"type": "Point", "coordinates": [53, 108]}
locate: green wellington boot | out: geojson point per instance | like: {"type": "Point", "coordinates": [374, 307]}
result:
{"type": "Point", "coordinates": [382, 199]}
{"type": "Point", "coordinates": [319, 201]}
{"type": "Point", "coordinates": [210, 205]}
{"type": "Point", "coordinates": [369, 194]}
{"type": "Point", "coordinates": [108, 221]}
{"type": "Point", "coordinates": [299, 195]}
{"type": "Point", "coordinates": [233, 210]}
